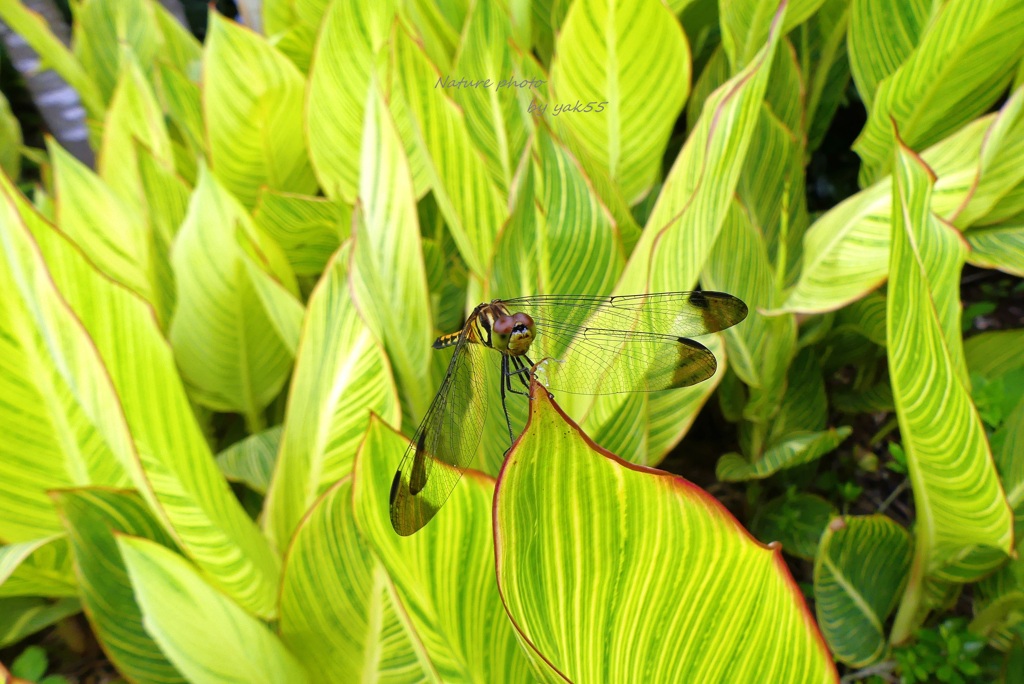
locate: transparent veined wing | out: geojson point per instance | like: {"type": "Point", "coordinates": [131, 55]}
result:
{"type": "Point", "coordinates": [632, 343]}
{"type": "Point", "coordinates": [445, 442]}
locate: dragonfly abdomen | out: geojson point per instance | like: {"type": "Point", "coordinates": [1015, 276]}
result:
{"type": "Point", "coordinates": [447, 340]}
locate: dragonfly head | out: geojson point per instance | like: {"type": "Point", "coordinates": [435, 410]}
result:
{"type": "Point", "coordinates": [514, 333]}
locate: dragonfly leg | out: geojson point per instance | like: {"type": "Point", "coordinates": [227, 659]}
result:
{"type": "Point", "coordinates": [521, 371]}
{"type": "Point", "coordinates": [529, 364]}
{"type": "Point", "coordinates": [525, 370]}
{"type": "Point", "coordinates": [506, 379]}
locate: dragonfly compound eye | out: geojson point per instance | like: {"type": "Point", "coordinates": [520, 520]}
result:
{"type": "Point", "coordinates": [523, 320]}
{"type": "Point", "coordinates": [503, 326]}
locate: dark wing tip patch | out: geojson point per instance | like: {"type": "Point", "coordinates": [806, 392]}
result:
{"type": "Point", "coordinates": [395, 483]}
{"type": "Point", "coordinates": [699, 300]}
{"type": "Point", "coordinates": [741, 310]}
{"type": "Point", "coordinates": [696, 364]}
{"type": "Point", "coordinates": [395, 511]}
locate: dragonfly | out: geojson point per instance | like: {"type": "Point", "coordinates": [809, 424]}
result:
{"type": "Point", "coordinates": [582, 345]}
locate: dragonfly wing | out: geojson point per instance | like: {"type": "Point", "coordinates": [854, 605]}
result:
{"type": "Point", "coordinates": [606, 345]}
{"type": "Point", "coordinates": [676, 314]}
{"type": "Point", "coordinates": [613, 361]}
{"type": "Point", "coordinates": [444, 444]}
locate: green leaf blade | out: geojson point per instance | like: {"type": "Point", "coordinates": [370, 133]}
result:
{"type": "Point", "coordinates": [253, 107]}
{"type": "Point", "coordinates": [859, 572]}
{"type": "Point", "coordinates": [461, 624]}
{"type": "Point", "coordinates": [575, 526]}
{"type": "Point", "coordinates": [951, 467]}
{"type": "Point", "coordinates": [205, 635]}
{"type": "Point", "coordinates": [632, 57]}
{"type": "Point", "coordinates": [341, 376]}
{"type": "Point", "coordinates": [92, 516]}
{"type": "Point", "coordinates": [339, 610]}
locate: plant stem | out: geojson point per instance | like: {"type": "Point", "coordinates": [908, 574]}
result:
{"type": "Point", "coordinates": [908, 614]}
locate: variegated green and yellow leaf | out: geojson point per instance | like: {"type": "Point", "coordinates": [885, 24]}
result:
{"type": "Point", "coordinates": [182, 103]}
{"type": "Point", "coordinates": [556, 211]}
{"type": "Point", "coordinates": [10, 140]}
{"type": "Point", "coordinates": [178, 47]}
{"type": "Point", "coordinates": [106, 31]}
{"type": "Point", "coordinates": [827, 67]}
{"type": "Point", "coordinates": [345, 60]}
{"type": "Point", "coordinates": [237, 321]}
{"type": "Point", "coordinates": [291, 26]}
{"type": "Point", "coordinates": [134, 116]}
{"type": "Point", "coordinates": [35, 30]}
{"type": "Point", "coordinates": [252, 102]}
{"type": "Point", "coordinates": [205, 635]}
{"type": "Point", "coordinates": [846, 251]}
{"type": "Point", "coordinates": [170, 462]}
{"type": "Point", "coordinates": [436, 26]}
{"type": "Point", "coordinates": [388, 277]}
{"type": "Point", "coordinates": [308, 229]}
{"type": "Point", "coordinates": [715, 73]}
{"type": "Point", "coordinates": [1010, 206]}
{"type": "Point", "coordinates": [761, 348]}
{"type": "Point", "coordinates": [340, 613]}
{"type": "Point", "coordinates": [575, 525]}
{"type": "Point", "coordinates": [497, 115]}
{"type": "Point", "coordinates": [62, 424]}
{"type": "Point", "coordinates": [111, 232]}
{"type": "Point", "coordinates": [794, 449]}
{"type": "Point", "coordinates": [1000, 246]}
{"type": "Point", "coordinates": [133, 158]}
{"type": "Point", "coordinates": [41, 567]}
{"type": "Point", "coordinates": [632, 57]}
{"type": "Point", "coordinates": [460, 624]}
{"type": "Point", "coordinates": [341, 375]}
{"type": "Point", "coordinates": [746, 25]}
{"type": "Point", "coordinates": [769, 186]}
{"type": "Point", "coordinates": [689, 213]}
{"type": "Point", "coordinates": [999, 178]}
{"type": "Point", "coordinates": [251, 460]}
{"type": "Point", "coordinates": [965, 58]}
{"type": "Point", "coordinates": [965, 525]}
{"type": "Point", "coordinates": [859, 574]}
{"type": "Point", "coordinates": [25, 615]}
{"type": "Point", "coordinates": [446, 275]}
{"type": "Point", "coordinates": [166, 198]}
{"type": "Point", "coordinates": [92, 518]}
{"type": "Point", "coordinates": [881, 37]}
{"type": "Point", "coordinates": [599, 178]}
{"type": "Point", "coordinates": [795, 520]}
{"type": "Point", "coordinates": [698, 190]}
{"type": "Point", "coordinates": [472, 206]}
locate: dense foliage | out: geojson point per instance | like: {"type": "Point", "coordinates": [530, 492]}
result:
{"type": "Point", "coordinates": [215, 343]}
